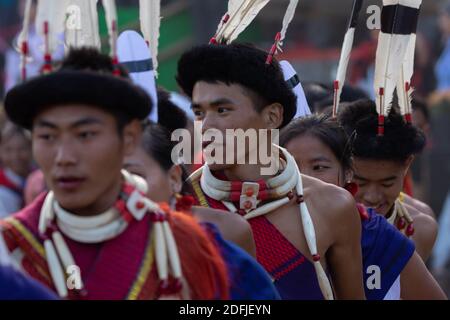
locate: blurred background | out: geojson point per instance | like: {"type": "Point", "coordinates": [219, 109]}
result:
{"type": "Point", "coordinates": [313, 47]}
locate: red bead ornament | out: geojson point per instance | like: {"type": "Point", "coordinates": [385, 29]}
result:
{"type": "Point", "coordinates": [184, 203]}
{"type": "Point", "coordinates": [300, 199]}
{"type": "Point", "coordinates": [401, 223]}
{"type": "Point", "coordinates": [176, 286]}
{"type": "Point", "coordinates": [247, 205]}
{"type": "Point", "coordinates": [158, 217]}
{"type": "Point", "coordinates": [140, 205]}
{"type": "Point", "coordinates": [164, 287]}
{"type": "Point", "coordinates": [290, 195]}
{"type": "Point", "coordinates": [249, 192]}
{"type": "Point", "coordinates": [316, 257]}
{"type": "Point", "coordinates": [410, 230]}
{"type": "Point", "coordinates": [352, 188]}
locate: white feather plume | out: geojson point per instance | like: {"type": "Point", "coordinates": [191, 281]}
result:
{"type": "Point", "coordinates": [407, 70]}
{"type": "Point", "coordinates": [23, 35]}
{"type": "Point", "coordinates": [84, 29]}
{"type": "Point", "coordinates": [343, 64]}
{"type": "Point", "coordinates": [345, 55]}
{"type": "Point", "coordinates": [389, 56]}
{"type": "Point", "coordinates": [244, 12]}
{"type": "Point", "coordinates": [288, 16]}
{"type": "Point", "coordinates": [52, 13]}
{"type": "Point", "coordinates": [404, 88]}
{"type": "Point", "coordinates": [150, 17]}
{"type": "Point", "coordinates": [233, 7]}
{"type": "Point", "coordinates": [22, 39]}
{"type": "Point", "coordinates": [111, 23]}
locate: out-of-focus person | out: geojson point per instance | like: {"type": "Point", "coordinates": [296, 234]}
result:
{"type": "Point", "coordinates": [16, 160]}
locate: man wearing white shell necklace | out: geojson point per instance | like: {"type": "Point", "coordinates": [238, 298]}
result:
{"type": "Point", "coordinates": [306, 232]}
{"type": "Point", "coordinates": [95, 235]}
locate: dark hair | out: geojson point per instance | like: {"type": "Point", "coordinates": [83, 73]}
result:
{"type": "Point", "coordinates": [320, 96]}
{"type": "Point", "coordinates": [322, 127]}
{"type": "Point", "coordinates": [238, 64]}
{"type": "Point", "coordinates": [93, 60]}
{"type": "Point", "coordinates": [314, 93]}
{"type": "Point", "coordinates": [169, 115]}
{"type": "Point", "coordinates": [400, 140]}
{"type": "Point", "coordinates": [90, 59]}
{"type": "Point", "coordinates": [157, 143]}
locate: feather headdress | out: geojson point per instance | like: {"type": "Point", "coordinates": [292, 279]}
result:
{"type": "Point", "coordinates": [345, 55]}
{"type": "Point", "coordinates": [111, 22]}
{"type": "Point", "coordinates": [399, 20]}
{"type": "Point", "coordinates": [404, 88]}
{"type": "Point", "coordinates": [238, 17]}
{"type": "Point", "coordinates": [22, 40]}
{"type": "Point", "coordinates": [82, 25]}
{"type": "Point", "coordinates": [150, 17]}
{"type": "Point", "coordinates": [50, 18]}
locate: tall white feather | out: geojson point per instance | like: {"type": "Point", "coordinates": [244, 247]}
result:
{"type": "Point", "coordinates": [404, 89]}
{"type": "Point", "coordinates": [111, 22]}
{"type": "Point", "coordinates": [241, 19]}
{"type": "Point", "coordinates": [23, 35]}
{"type": "Point", "coordinates": [342, 67]}
{"type": "Point", "coordinates": [233, 6]}
{"type": "Point", "coordinates": [389, 56]}
{"type": "Point", "coordinates": [22, 40]}
{"type": "Point", "coordinates": [288, 16]}
{"type": "Point", "coordinates": [83, 30]}
{"type": "Point", "coordinates": [52, 13]}
{"type": "Point", "coordinates": [150, 17]}
{"type": "Point", "coordinates": [345, 54]}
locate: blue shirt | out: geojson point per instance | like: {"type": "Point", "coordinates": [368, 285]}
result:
{"type": "Point", "coordinates": [16, 286]}
{"type": "Point", "coordinates": [384, 249]}
{"type": "Point", "coordinates": [248, 279]}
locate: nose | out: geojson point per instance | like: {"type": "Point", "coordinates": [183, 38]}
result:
{"type": "Point", "coordinates": [371, 196]}
{"type": "Point", "coordinates": [209, 122]}
{"type": "Point", "coordinates": [65, 155]}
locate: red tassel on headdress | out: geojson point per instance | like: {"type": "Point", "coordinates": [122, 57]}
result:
{"type": "Point", "coordinates": [274, 48]}
{"type": "Point", "coordinates": [380, 115]}
{"type": "Point", "coordinates": [115, 60]}
{"type": "Point", "coordinates": [47, 67]}
{"type": "Point", "coordinates": [24, 49]}
{"type": "Point", "coordinates": [408, 117]}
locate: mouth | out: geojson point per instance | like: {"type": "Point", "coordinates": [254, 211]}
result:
{"type": "Point", "coordinates": [69, 183]}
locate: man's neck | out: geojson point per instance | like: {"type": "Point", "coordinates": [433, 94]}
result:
{"type": "Point", "coordinates": [390, 212]}
{"type": "Point", "coordinates": [250, 172]}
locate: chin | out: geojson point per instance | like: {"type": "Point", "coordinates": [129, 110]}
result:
{"type": "Point", "coordinates": [71, 202]}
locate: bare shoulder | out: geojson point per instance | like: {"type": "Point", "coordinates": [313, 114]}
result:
{"type": "Point", "coordinates": [422, 222]}
{"type": "Point", "coordinates": [425, 233]}
{"type": "Point", "coordinates": [419, 205]}
{"type": "Point", "coordinates": [328, 196]}
{"type": "Point", "coordinates": [232, 227]}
